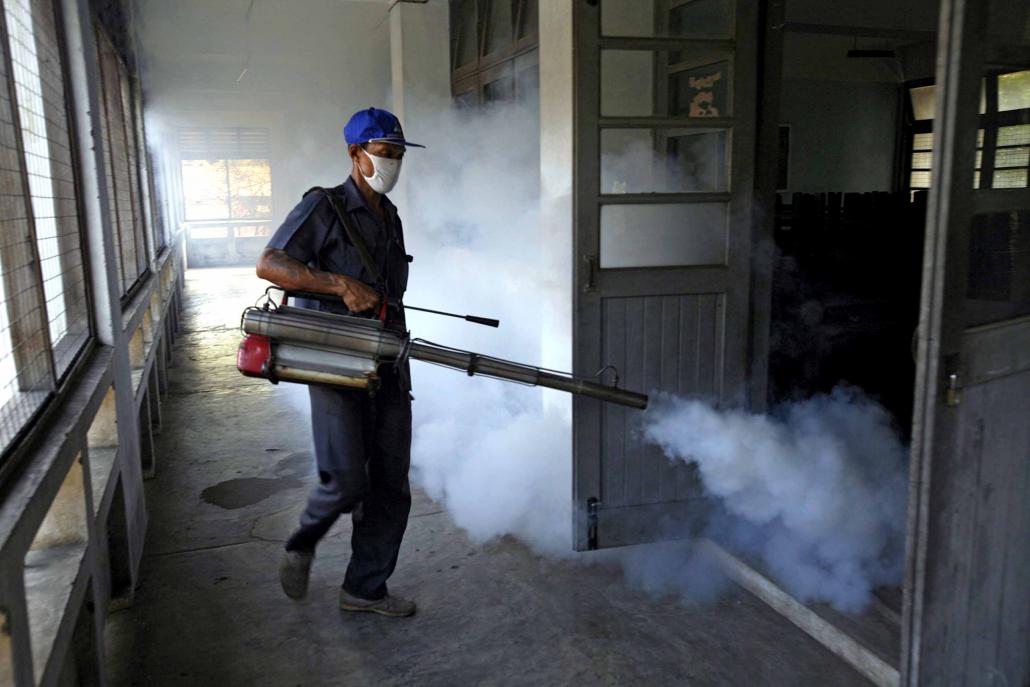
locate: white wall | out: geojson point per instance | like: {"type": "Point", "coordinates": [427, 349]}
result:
{"type": "Point", "coordinates": [309, 65]}
{"type": "Point", "coordinates": [842, 113]}
{"type": "Point", "coordinates": [842, 135]}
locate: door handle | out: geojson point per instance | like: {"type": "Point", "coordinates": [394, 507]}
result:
{"type": "Point", "coordinates": [591, 280]}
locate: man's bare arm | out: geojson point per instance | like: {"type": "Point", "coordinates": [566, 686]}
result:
{"type": "Point", "coordinates": [293, 275]}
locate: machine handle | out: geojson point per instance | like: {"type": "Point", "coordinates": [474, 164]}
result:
{"type": "Point", "coordinates": [488, 321]}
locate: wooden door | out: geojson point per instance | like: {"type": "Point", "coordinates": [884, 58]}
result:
{"type": "Point", "coordinates": [665, 118]}
{"type": "Point", "coordinates": [967, 601]}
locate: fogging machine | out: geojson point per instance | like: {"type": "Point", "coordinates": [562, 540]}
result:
{"type": "Point", "coordinates": [291, 344]}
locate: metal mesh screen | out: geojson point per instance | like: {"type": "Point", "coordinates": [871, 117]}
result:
{"type": "Point", "coordinates": [40, 91]}
{"type": "Point", "coordinates": [133, 159]}
{"type": "Point", "coordinates": [109, 180]}
{"type": "Point", "coordinates": [154, 231]}
{"type": "Point", "coordinates": [26, 376]}
{"type": "Point", "coordinates": [118, 168]}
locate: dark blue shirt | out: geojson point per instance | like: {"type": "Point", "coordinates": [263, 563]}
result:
{"type": "Point", "coordinates": [313, 235]}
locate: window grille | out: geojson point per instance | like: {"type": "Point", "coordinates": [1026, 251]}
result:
{"type": "Point", "coordinates": [120, 164]}
{"type": "Point", "coordinates": [227, 182]}
{"type": "Point", "coordinates": [1002, 142]}
{"type": "Point", "coordinates": [134, 160]}
{"type": "Point", "coordinates": [155, 228]}
{"type": "Point", "coordinates": [43, 115]}
{"type": "Point", "coordinates": [26, 376]}
{"type": "Point", "coordinates": [218, 143]}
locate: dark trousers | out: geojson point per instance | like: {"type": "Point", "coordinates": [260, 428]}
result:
{"type": "Point", "coordinates": [363, 450]}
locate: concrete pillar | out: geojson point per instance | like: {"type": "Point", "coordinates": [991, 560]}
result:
{"type": "Point", "coordinates": [84, 83]}
{"type": "Point", "coordinates": [419, 59]}
{"type": "Point", "coordinates": [420, 70]}
{"type": "Point", "coordinates": [556, 169]}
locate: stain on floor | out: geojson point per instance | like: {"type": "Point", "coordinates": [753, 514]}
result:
{"type": "Point", "coordinates": [246, 491]}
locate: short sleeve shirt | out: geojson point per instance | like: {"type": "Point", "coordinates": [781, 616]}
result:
{"type": "Point", "coordinates": [313, 235]}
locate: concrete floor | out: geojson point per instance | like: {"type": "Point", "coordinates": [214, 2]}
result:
{"type": "Point", "coordinates": [233, 469]}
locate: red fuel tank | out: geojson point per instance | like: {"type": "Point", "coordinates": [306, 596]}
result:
{"type": "Point", "coordinates": [254, 356]}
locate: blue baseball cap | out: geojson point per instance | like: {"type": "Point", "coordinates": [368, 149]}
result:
{"type": "Point", "coordinates": [366, 126]}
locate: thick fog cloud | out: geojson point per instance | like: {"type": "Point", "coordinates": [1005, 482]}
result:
{"type": "Point", "coordinates": [817, 491]}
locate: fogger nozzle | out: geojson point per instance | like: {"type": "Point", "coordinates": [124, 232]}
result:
{"type": "Point", "coordinates": [309, 346]}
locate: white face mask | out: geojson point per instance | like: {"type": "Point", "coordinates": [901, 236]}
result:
{"type": "Point", "coordinates": [385, 171]}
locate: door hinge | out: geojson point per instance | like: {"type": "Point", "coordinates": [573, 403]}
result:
{"type": "Point", "coordinates": [592, 504]}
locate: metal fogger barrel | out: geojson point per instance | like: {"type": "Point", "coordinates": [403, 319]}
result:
{"type": "Point", "coordinates": [312, 347]}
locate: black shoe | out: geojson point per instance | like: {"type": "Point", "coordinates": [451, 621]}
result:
{"type": "Point", "coordinates": [294, 570]}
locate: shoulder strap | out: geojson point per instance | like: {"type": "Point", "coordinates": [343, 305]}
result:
{"type": "Point", "coordinates": [355, 237]}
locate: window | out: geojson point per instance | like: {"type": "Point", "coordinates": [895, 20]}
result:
{"type": "Point", "coordinates": [226, 181]}
{"type": "Point", "coordinates": [494, 51]}
{"type": "Point", "coordinates": [122, 165]}
{"type": "Point", "coordinates": [44, 308]}
{"type": "Point", "coordinates": [922, 154]}
{"type": "Point", "coordinates": [39, 89]}
{"type": "Point", "coordinates": [155, 228]}
{"type": "Point", "coordinates": [25, 377]}
{"type": "Point", "coordinates": [227, 189]}
{"type": "Point", "coordinates": [1002, 143]}
{"type": "Point", "coordinates": [1012, 156]}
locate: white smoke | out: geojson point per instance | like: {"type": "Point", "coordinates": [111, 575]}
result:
{"type": "Point", "coordinates": [495, 454]}
{"type": "Point", "coordinates": [818, 492]}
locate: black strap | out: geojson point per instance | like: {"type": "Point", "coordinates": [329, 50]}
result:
{"type": "Point", "coordinates": [355, 238]}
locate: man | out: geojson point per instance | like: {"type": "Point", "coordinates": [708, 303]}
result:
{"type": "Point", "coordinates": [362, 440]}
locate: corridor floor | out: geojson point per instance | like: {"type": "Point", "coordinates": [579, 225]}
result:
{"type": "Point", "coordinates": [234, 465]}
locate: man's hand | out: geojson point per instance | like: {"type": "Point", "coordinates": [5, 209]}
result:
{"type": "Point", "coordinates": [356, 295]}
{"type": "Point", "coordinates": [283, 271]}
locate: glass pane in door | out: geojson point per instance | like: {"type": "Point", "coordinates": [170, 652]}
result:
{"type": "Point", "coordinates": [692, 83]}
{"type": "Point", "coordinates": [664, 160]}
{"type": "Point", "coordinates": [663, 235]}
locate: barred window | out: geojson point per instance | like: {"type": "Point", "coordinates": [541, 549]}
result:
{"type": "Point", "coordinates": [155, 228]}
{"type": "Point", "coordinates": [226, 181]}
{"type": "Point", "coordinates": [121, 165]}
{"type": "Point", "coordinates": [44, 310]}
{"type": "Point", "coordinates": [43, 115]}
{"type": "Point", "coordinates": [1002, 142]}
